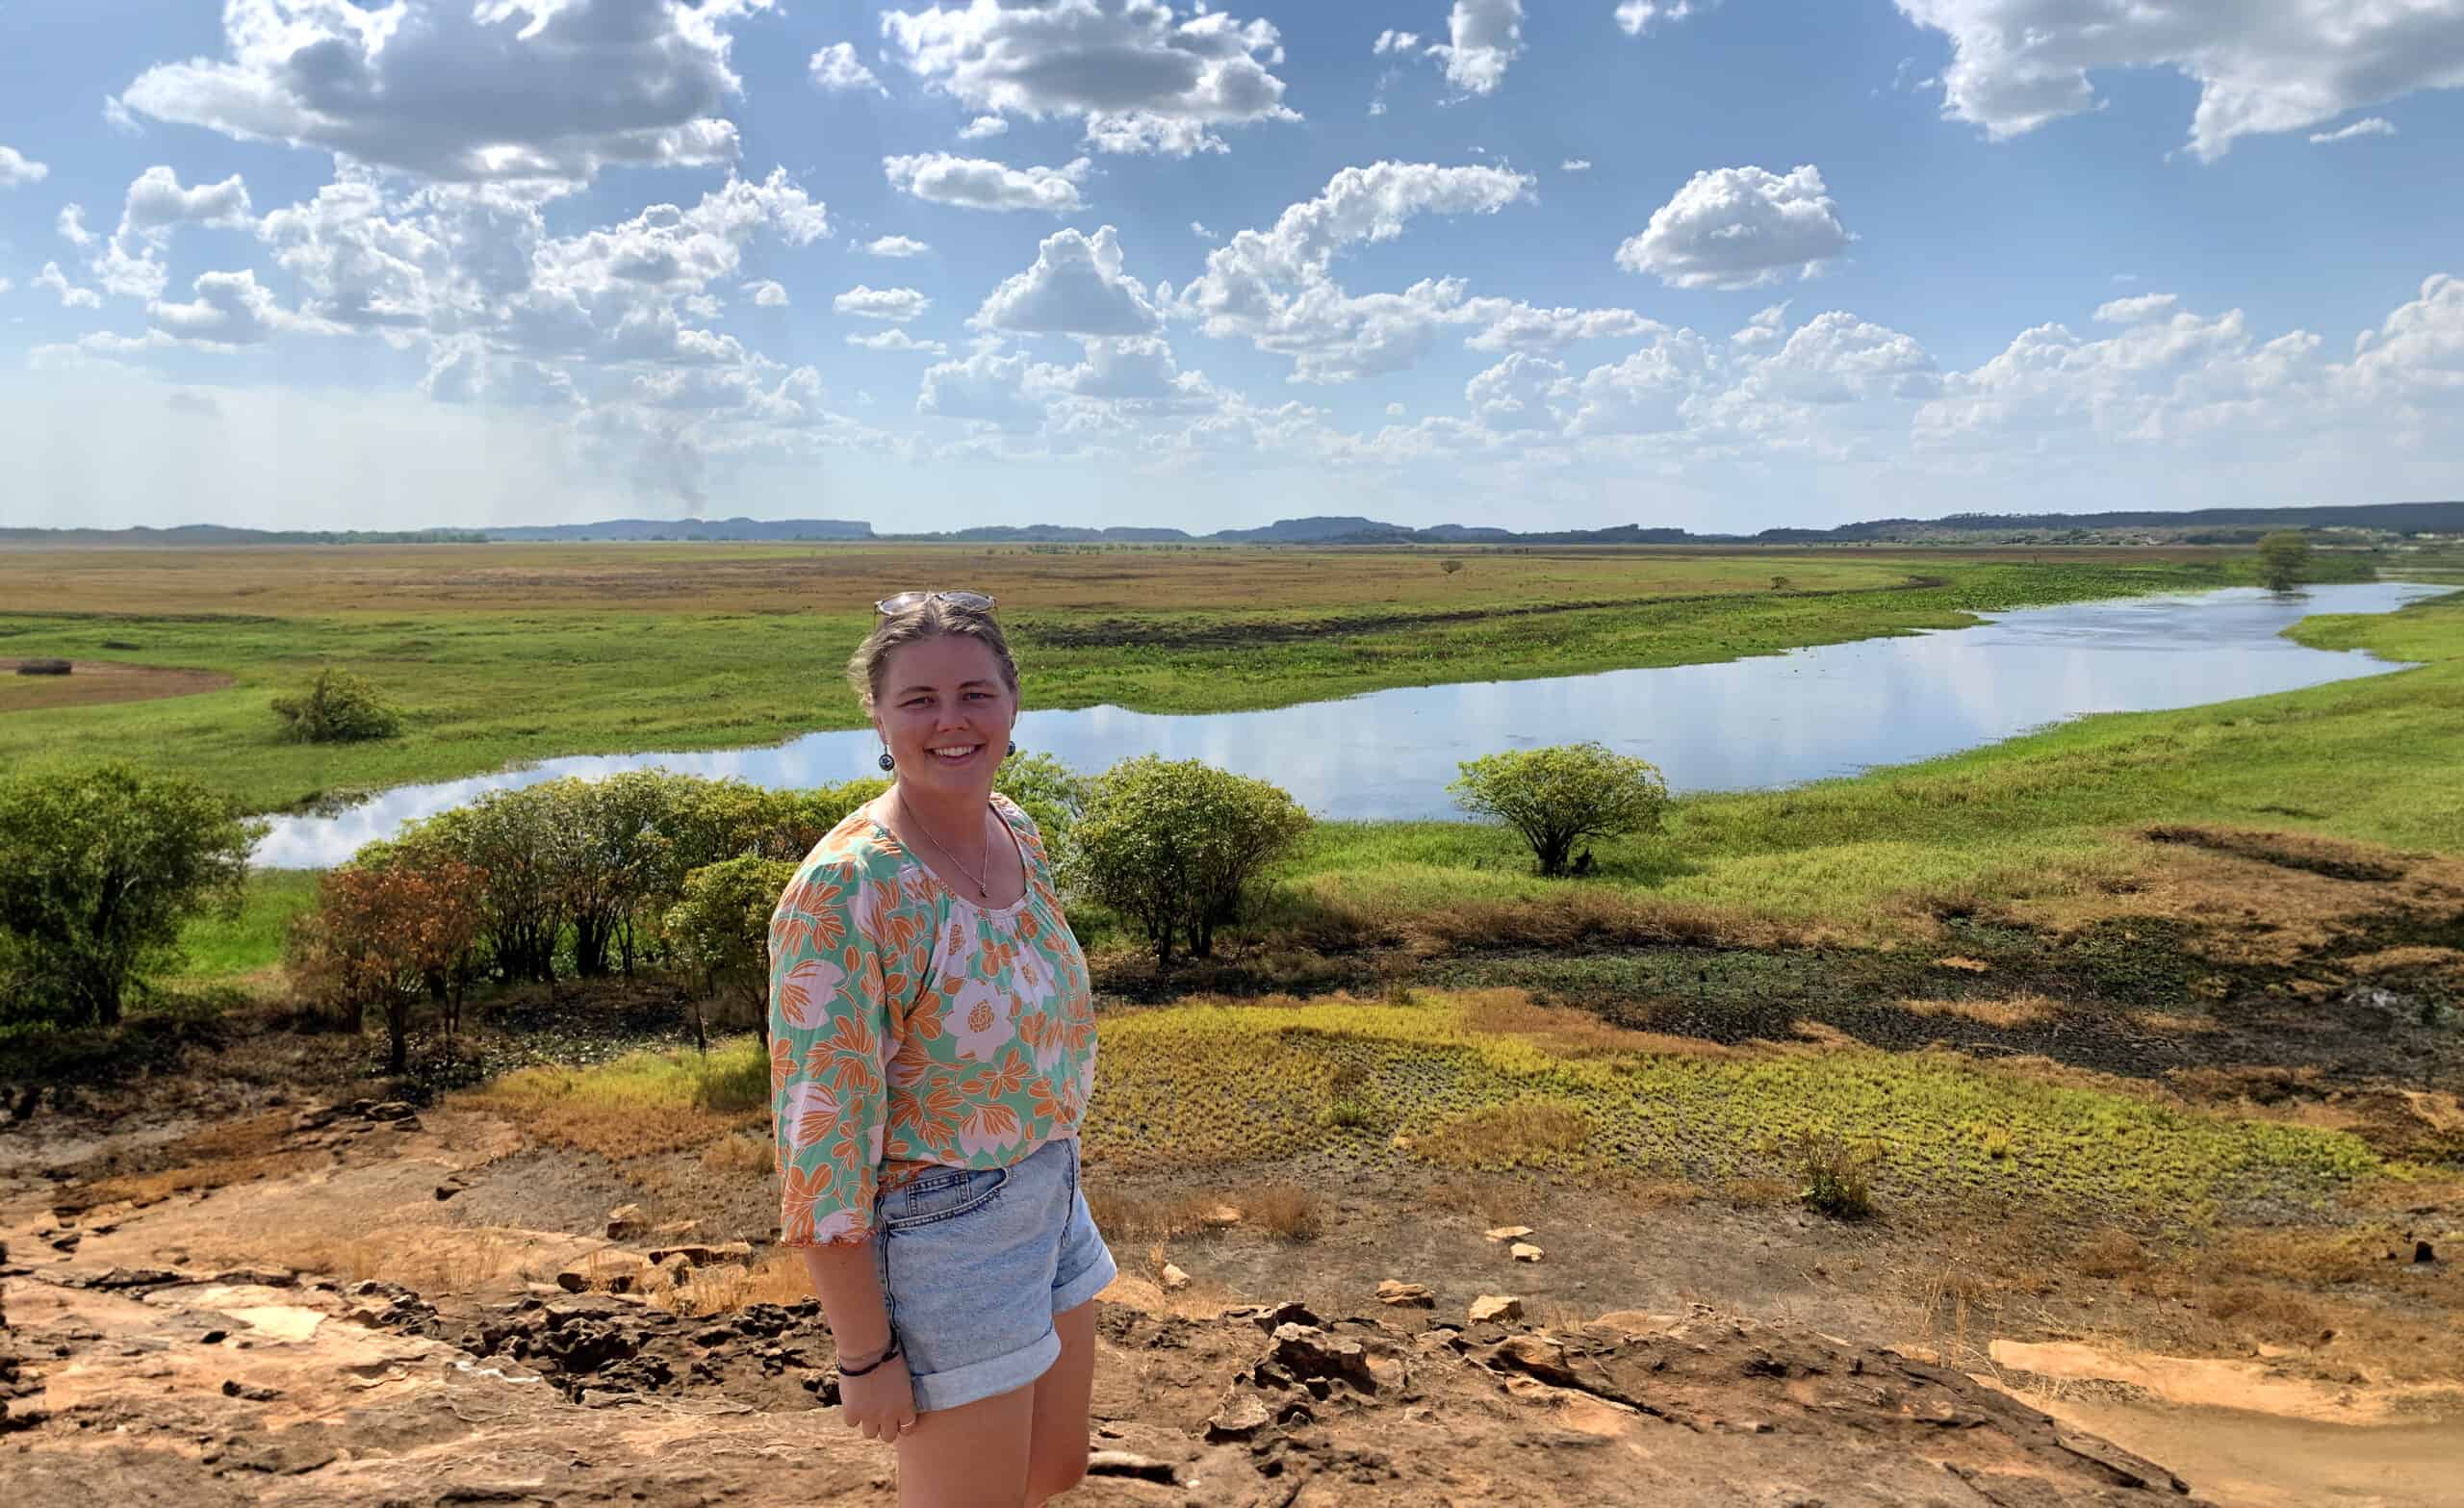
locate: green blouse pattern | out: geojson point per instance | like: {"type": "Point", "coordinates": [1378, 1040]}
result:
{"type": "Point", "coordinates": [911, 1028]}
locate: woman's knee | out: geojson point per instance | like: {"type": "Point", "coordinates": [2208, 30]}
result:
{"type": "Point", "coordinates": [1051, 1473]}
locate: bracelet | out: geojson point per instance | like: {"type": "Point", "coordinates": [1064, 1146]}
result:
{"type": "Point", "coordinates": [845, 1370]}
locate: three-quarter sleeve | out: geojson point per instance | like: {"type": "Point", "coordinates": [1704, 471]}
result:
{"type": "Point", "coordinates": [829, 1026]}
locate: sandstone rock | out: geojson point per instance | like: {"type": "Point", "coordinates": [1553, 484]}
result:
{"type": "Point", "coordinates": [1307, 1351]}
{"type": "Point", "coordinates": [1123, 1462]}
{"type": "Point", "coordinates": [391, 1109]}
{"type": "Point", "coordinates": [256, 1277]}
{"type": "Point", "coordinates": [1174, 1279]}
{"type": "Point", "coordinates": [1241, 1416]}
{"type": "Point", "coordinates": [699, 1254]}
{"type": "Point", "coordinates": [625, 1223]}
{"type": "Point", "coordinates": [1494, 1308]}
{"type": "Point", "coordinates": [1268, 1316]}
{"type": "Point", "coordinates": [676, 1230]}
{"type": "Point", "coordinates": [612, 1269]}
{"type": "Point", "coordinates": [1525, 1251]}
{"type": "Point", "coordinates": [1509, 1233]}
{"type": "Point", "coordinates": [1406, 1295]}
{"type": "Point", "coordinates": [1223, 1215]}
{"type": "Point", "coordinates": [233, 1388]}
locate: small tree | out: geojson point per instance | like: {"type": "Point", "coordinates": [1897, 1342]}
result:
{"type": "Point", "coordinates": [721, 931]}
{"type": "Point", "coordinates": [1561, 795]}
{"type": "Point", "coordinates": [99, 869]}
{"type": "Point", "coordinates": [1050, 792]}
{"type": "Point", "coordinates": [2284, 559]}
{"type": "Point", "coordinates": [1178, 846]}
{"type": "Point", "coordinates": [338, 707]}
{"type": "Point", "coordinates": [1449, 567]}
{"type": "Point", "coordinates": [387, 935]}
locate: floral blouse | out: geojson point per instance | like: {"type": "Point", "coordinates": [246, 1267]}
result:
{"type": "Point", "coordinates": [911, 1028]}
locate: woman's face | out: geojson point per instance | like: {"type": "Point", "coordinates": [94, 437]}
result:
{"type": "Point", "coordinates": [945, 712]}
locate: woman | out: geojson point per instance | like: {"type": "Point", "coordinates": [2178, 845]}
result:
{"type": "Point", "coordinates": [931, 1047]}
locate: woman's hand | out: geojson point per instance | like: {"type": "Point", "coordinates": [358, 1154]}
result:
{"type": "Point", "coordinates": [881, 1402]}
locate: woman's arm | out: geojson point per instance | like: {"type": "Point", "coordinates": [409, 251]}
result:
{"type": "Point", "coordinates": [881, 1402]}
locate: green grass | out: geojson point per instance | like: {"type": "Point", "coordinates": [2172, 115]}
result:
{"type": "Point", "coordinates": [1197, 1084]}
{"type": "Point", "coordinates": [230, 948]}
{"type": "Point", "coordinates": [484, 690]}
{"type": "Point", "coordinates": [2379, 759]}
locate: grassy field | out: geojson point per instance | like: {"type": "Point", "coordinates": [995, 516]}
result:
{"type": "Point", "coordinates": [512, 652]}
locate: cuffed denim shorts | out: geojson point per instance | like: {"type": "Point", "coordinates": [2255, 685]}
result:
{"type": "Point", "coordinates": [976, 1262]}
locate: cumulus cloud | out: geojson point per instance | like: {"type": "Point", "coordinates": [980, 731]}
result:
{"type": "Point", "coordinates": [2017, 65]}
{"type": "Point", "coordinates": [16, 170]}
{"type": "Point", "coordinates": [1637, 16]}
{"type": "Point", "coordinates": [156, 202]}
{"type": "Point", "coordinates": [1513, 396]}
{"type": "Point", "coordinates": [976, 183]}
{"type": "Point", "coordinates": [1575, 164]}
{"type": "Point", "coordinates": [1508, 325]}
{"type": "Point", "coordinates": [1646, 392]}
{"type": "Point", "coordinates": [71, 225]}
{"type": "Point", "coordinates": [1395, 41]}
{"type": "Point", "coordinates": [1198, 229]}
{"type": "Point", "coordinates": [1766, 327]}
{"type": "Point", "coordinates": [897, 340]}
{"type": "Point", "coordinates": [2133, 310]}
{"type": "Point", "coordinates": [898, 305]}
{"type": "Point", "coordinates": [2416, 355]}
{"type": "Point", "coordinates": [1737, 227]}
{"type": "Point", "coordinates": [1837, 358]}
{"type": "Point", "coordinates": [983, 126]}
{"type": "Point", "coordinates": [2372, 125]}
{"type": "Point", "coordinates": [895, 246]}
{"type": "Point", "coordinates": [229, 309]}
{"type": "Point", "coordinates": [501, 90]}
{"type": "Point", "coordinates": [1141, 77]}
{"type": "Point", "coordinates": [767, 293]}
{"type": "Point", "coordinates": [986, 388]}
{"type": "Point", "coordinates": [1076, 287]}
{"type": "Point", "coordinates": [71, 296]}
{"type": "Point", "coordinates": [1482, 38]}
{"type": "Point", "coordinates": [836, 67]}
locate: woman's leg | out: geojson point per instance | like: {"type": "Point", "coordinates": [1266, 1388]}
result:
{"type": "Point", "coordinates": [1057, 1459]}
{"type": "Point", "coordinates": [973, 1456]}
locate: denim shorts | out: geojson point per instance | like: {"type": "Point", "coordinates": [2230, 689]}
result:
{"type": "Point", "coordinates": [976, 1262]}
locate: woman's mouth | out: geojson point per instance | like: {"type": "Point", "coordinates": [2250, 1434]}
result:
{"type": "Point", "coordinates": [953, 753]}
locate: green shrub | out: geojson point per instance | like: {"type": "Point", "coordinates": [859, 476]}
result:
{"type": "Point", "coordinates": [1050, 792]}
{"type": "Point", "coordinates": [1561, 795]}
{"type": "Point", "coordinates": [721, 930]}
{"type": "Point", "coordinates": [388, 937]}
{"type": "Point", "coordinates": [2284, 559]}
{"type": "Point", "coordinates": [1838, 1175]}
{"type": "Point", "coordinates": [338, 707]}
{"type": "Point", "coordinates": [1178, 846]}
{"type": "Point", "coordinates": [99, 870]}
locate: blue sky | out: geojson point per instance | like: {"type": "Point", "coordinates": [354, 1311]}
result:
{"type": "Point", "coordinates": [1723, 265]}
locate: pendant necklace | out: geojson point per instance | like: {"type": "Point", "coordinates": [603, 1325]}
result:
{"type": "Point", "coordinates": [983, 892]}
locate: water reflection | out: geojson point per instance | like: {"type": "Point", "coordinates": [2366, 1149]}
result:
{"type": "Point", "coordinates": [1773, 720]}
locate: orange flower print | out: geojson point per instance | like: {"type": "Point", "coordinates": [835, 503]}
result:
{"type": "Point", "coordinates": [806, 992]}
{"type": "Point", "coordinates": [783, 1063]}
{"type": "Point", "coordinates": [811, 1113]}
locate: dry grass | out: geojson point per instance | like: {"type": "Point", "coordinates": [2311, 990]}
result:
{"type": "Point", "coordinates": [236, 1152]}
{"type": "Point", "coordinates": [1570, 1033]}
{"type": "Point", "coordinates": [2007, 1014]}
{"type": "Point", "coordinates": [1759, 1193]}
{"type": "Point", "coordinates": [1497, 1201]}
{"type": "Point", "coordinates": [1579, 917]}
{"type": "Point", "coordinates": [778, 1278]}
{"type": "Point", "coordinates": [2442, 962]}
{"type": "Point", "coordinates": [2109, 1253]}
{"type": "Point", "coordinates": [739, 1154]}
{"type": "Point", "coordinates": [2173, 1023]}
{"type": "Point", "coordinates": [1286, 1210]}
{"type": "Point", "coordinates": [1518, 1133]}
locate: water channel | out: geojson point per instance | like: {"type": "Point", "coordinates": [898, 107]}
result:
{"type": "Point", "coordinates": [1775, 720]}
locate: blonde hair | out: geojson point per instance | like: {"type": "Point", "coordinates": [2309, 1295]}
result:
{"type": "Point", "coordinates": [931, 618]}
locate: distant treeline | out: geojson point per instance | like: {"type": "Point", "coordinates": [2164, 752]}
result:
{"type": "Point", "coordinates": [2196, 526]}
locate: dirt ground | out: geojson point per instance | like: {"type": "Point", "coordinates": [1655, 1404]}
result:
{"type": "Point", "coordinates": [355, 1301]}
{"type": "Point", "coordinates": [92, 683]}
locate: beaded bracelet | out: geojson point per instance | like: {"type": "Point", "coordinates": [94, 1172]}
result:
{"type": "Point", "coordinates": [845, 1370]}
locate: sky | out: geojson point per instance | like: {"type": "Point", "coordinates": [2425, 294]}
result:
{"type": "Point", "coordinates": [1719, 265]}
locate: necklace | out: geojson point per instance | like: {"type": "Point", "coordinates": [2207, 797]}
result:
{"type": "Point", "coordinates": [983, 892]}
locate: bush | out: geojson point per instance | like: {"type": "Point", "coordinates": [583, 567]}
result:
{"type": "Point", "coordinates": [99, 870]}
{"type": "Point", "coordinates": [2284, 559]}
{"type": "Point", "coordinates": [721, 930]}
{"type": "Point", "coordinates": [1177, 846]}
{"type": "Point", "coordinates": [1562, 796]}
{"type": "Point", "coordinates": [1839, 1176]}
{"type": "Point", "coordinates": [386, 936]}
{"type": "Point", "coordinates": [338, 707]}
{"type": "Point", "coordinates": [1050, 792]}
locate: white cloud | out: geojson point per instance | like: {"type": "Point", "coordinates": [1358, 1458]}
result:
{"type": "Point", "coordinates": [1513, 396]}
{"type": "Point", "coordinates": [836, 67]}
{"type": "Point", "coordinates": [983, 126]}
{"type": "Point", "coordinates": [116, 117]}
{"type": "Point", "coordinates": [895, 246]}
{"type": "Point", "coordinates": [156, 202]}
{"type": "Point", "coordinates": [71, 225]}
{"type": "Point", "coordinates": [1076, 287]}
{"type": "Point", "coordinates": [767, 293]}
{"type": "Point", "coordinates": [987, 387]}
{"type": "Point", "coordinates": [2371, 125]}
{"type": "Point", "coordinates": [1519, 326]}
{"type": "Point", "coordinates": [1482, 38]}
{"type": "Point", "coordinates": [71, 296]}
{"type": "Point", "coordinates": [2135, 310]}
{"type": "Point", "coordinates": [1737, 227]}
{"type": "Point", "coordinates": [2280, 65]}
{"type": "Point", "coordinates": [1575, 164]}
{"type": "Point", "coordinates": [975, 184]}
{"type": "Point", "coordinates": [18, 170]}
{"type": "Point", "coordinates": [1766, 327]}
{"type": "Point", "coordinates": [498, 89]}
{"type": "Point", "coordinates": [898, 305]}
{"type": "Point", "coordinates": [1138, 76]}
{"type": "Point", "coordinates": [462, 369]}
{"type": "Point", "coordinates": [7, 284]}
{"type": "Point", "coordinates": [897, 340]}
{"type": "Point", "coordinates": [1198, 229]}
{"type": "Point", "coordinates": [1276, 287]}
{"type": "Point", "coordinates": [2416, 356]}
{"type": "Point", "coordinates": [230, 309]}
{"type": "Point", "coordinates": [1637, 16]}
{"type": "Point", "coordinates": [1837, 358]}
{"type": "Point", "coordinates": [1394, 411]}
{"type": "Point", "coordinates": [1646, 392]}
{"type": "Point", "coordinates": [1393, 41]}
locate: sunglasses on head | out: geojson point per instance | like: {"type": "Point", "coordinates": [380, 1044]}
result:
{"type": "Point", "coordinates": [908, 602]}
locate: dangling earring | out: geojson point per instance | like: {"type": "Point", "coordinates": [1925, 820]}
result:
{"type": "Point", "coordinates": [1014, 748]}
{"type": "Point", "coordinates": [886, 761]}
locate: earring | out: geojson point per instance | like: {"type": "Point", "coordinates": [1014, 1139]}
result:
{"type": "Point", "coordinates": [886, 761]}
{"type": "Point", "coordinates": [1014, 748]}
